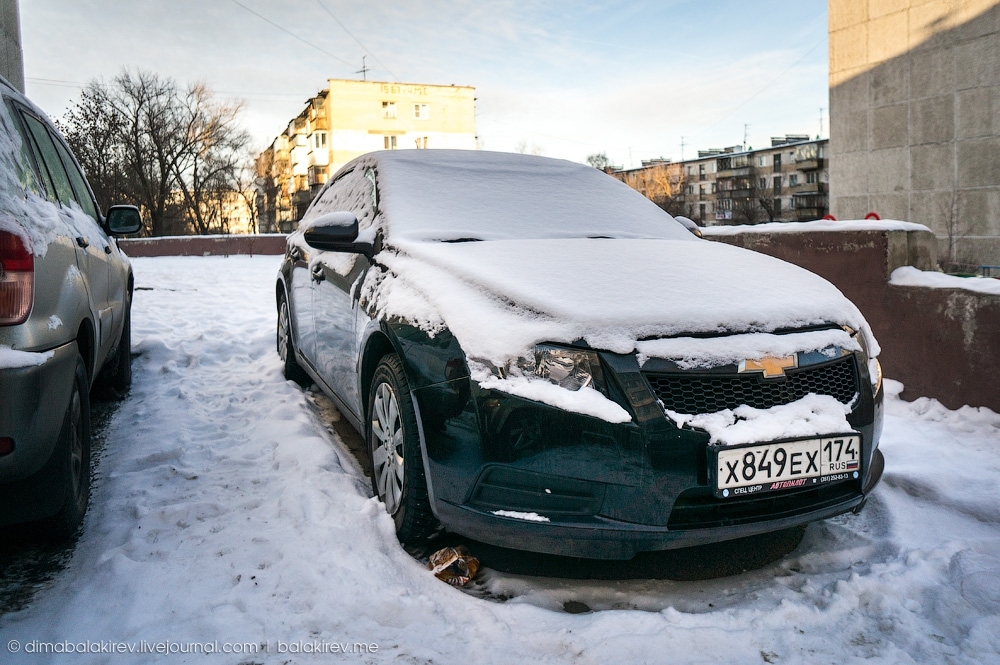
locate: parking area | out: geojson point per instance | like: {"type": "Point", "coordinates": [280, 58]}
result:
{"type": "Point", "coordinates": [229, 507]}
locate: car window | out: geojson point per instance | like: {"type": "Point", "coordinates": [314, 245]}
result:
{"type": "Point", "coordinates": [25, 166]}
{"type": "Point", "coordinates": [353, 191]}
{"type": "Point", "coordinates": [50, 159]}
{"type": "Point", "coordinates": [76, 178]}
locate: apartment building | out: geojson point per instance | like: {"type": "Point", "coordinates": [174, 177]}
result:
{"type": "Point", "coordinates": [348, 119]}
{"type": "Point", "coordinates": [787, 181]}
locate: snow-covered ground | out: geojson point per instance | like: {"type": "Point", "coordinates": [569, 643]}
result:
{"type": "Point", "coordinates": [227, 514]}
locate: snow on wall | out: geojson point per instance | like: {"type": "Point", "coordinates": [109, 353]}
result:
{"type": "Point", "coordinates": [909, 276]}
{"type": "Point", "coordinates": [816, 226]}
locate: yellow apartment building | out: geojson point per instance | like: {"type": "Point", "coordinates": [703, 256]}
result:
{"type": "Point", "coordinates": [351, 118]}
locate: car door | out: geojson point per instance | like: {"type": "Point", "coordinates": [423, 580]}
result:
{"type": "Point", "coordinates": [336, 278]}
{"type": "Point", "coordinates": [80, 215]}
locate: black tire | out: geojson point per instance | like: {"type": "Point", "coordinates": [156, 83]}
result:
{"type": "Point", "coordinates": [74, 447]}
{"type": "Point", "coordinates": [286, 347]}
{"type": "Point", "coordinates": [394, 446]}
{"type": "Point", "coordinates": [119, 369]}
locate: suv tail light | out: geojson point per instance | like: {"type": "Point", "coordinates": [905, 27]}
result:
{"type": "Point", "coordinates": [17, 279]}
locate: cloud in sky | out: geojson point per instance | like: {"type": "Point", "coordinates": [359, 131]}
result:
{"type": "Point", "coordinates": [571, 77]}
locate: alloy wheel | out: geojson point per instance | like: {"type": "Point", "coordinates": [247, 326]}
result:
{"type": "Point", "coordinates": [387, 447]}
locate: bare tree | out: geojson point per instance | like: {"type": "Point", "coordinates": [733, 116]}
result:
{"type": "Point", "coordinates": [523, 148]}
{"type": "Point", "coordinates": [599, 161]}
{"type": "Point", "coordinates": [663, 184]}
{"type": "Point", "coordinates": [143, 140]}
{"type": "Point", "coordinates": [209, 161]}
{"type": "Point", "coordinates": [768, 193]}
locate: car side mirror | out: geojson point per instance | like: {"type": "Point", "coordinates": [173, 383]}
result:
{"type": "Point", "coordinates": [336, 232]}
{"type": "Point", "coordinates": [123, 220]}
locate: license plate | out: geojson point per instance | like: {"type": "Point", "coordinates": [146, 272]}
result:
{"type": "Point", "coordinates": [787, 465]}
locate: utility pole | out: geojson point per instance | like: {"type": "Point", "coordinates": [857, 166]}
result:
{"type": "Point", "coordinates": [364, 69]}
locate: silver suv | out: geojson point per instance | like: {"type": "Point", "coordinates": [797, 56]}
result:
{"type": "Point", "coordinates": [65, 297]}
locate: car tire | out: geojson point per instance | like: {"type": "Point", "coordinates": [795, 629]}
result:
{"type": "Point", "coordinates": [74, 447]}
{"type": "Point", "coordinates": [290, 367]}
{"type": "Point", "coordinates": [116, 376]}
{"type": "Point", "coordinates": [394, 445]}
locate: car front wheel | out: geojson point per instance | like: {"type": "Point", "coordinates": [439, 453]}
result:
{"type": "Point", "coordinates": [286, 348]}
{"type": "Point", "coordinates": [397, 466]}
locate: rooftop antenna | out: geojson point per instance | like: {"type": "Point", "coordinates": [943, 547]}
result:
{"type": "Point", "coordinates": [364, 69]}
{"type": "Point", "coordinates": [746, 131]}
{"type": "Point", "coordinates": [682, 148]}
{"type": "Point", "coordinates": [820, 122]}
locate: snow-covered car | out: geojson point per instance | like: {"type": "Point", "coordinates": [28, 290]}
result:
{"type": "Point", "coordinates": [540, 358]}
{"type": "Point", "coordinates": [65, 296]}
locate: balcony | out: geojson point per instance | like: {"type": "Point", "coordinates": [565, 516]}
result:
{"type": "Point", "coordinates": [809, 214]}
{"type": "Point", "coordinates": [813, 164]}
{"type": "Point", "coordinates": [806, 188]}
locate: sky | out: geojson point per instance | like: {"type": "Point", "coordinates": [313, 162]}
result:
{"type": "Point", "coordinates": [635, 80]}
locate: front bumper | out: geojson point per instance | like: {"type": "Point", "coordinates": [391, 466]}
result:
{"type": "Point", "coordinates": [606, 491]}
{"type": "Point", "coordinates": [33, 403]}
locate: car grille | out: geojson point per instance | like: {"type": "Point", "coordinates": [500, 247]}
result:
{"type": "Point", "coordinates": [693, 393]}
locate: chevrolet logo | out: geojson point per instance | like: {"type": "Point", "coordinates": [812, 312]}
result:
{"type": "Point", "coordinates": [770, 366]}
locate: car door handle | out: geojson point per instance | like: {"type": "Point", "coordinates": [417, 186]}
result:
{"type": "Point", "coordinates": [107, 249]}
{"type": "Point", "coordinates": [82, 242]}
{"type": "Point", "coordinates": [317, 273]}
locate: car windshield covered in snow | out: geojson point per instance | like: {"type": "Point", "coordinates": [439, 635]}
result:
{"type": "Point", "coordinates": [463, 196]}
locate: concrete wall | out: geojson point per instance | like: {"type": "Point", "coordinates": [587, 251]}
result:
{"type": "Point", "coordinates": [204, 245]}
{"type": "Point", "coordinates": [915, 118]}
{"type": "Point", "coordinates": [11, 62]}
{"type": "Point", "coordinates": [941, 343]}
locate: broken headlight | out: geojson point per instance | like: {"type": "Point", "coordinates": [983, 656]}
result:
{"type": "Point", "coordinates": [568, 368]}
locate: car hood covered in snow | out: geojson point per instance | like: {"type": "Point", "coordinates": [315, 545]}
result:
{"type": "Point", "coordinates": [501, 297]}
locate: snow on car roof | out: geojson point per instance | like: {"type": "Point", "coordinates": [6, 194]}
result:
{"type": "Point", "coordinates": [465, 194]}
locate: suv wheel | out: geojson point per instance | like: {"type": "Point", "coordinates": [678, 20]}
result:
{"type": "Point", "coordinates": [116, 376]}
{"type": "Point", "coordinates": [74, 446]}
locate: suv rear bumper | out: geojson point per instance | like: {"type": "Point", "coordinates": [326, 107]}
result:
{"type": "Point", "coordinates": [32, 410]}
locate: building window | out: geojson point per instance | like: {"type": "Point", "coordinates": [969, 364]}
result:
{"type": "Point", "coordinates": [777, 207]}
{"type": "Point", "coordinates": [421, 142]}
{"type": "Point", "coordinates": [420, 112]}
{"type": "Point", "coordinates": [811, 177]}
{"type": "Point", "coordinates": [713, 188]}
{"type": "Point", "coordinates": [388, 109]}
{"type": "Point", "coordinates": [701, 211]}
{"type": "Point", "coordinates": [319, 140]}
{"type": "Point", "coordinates": [701, 172]}
{"type": "Point", "coordinates": [690, 189]}
{"type": "Point", "coordinates": [690, 170]}
{"type": "Point", "coordinates": [777, 162]}
{"type": "Point", "coordinates": [701, 190]}
{"type": "Point", "coordinates": [777, 184]}
{"type": "Point", "coordinates": [762, 184]}
{"type": "Point", "coordinates": [793, 180]}
{"type": "Point", "coordinates": [762, 161]}
{"type": "Point", "coordinates": [390, 142]}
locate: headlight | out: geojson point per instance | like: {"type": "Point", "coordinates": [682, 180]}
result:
{"type": "Point", "coordinates": [874, 366]}
{"type": "Point", "coordinates": [568, 368]}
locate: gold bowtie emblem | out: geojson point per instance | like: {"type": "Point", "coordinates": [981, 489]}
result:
{"type": "Point", "coordinates": [770, 366]}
